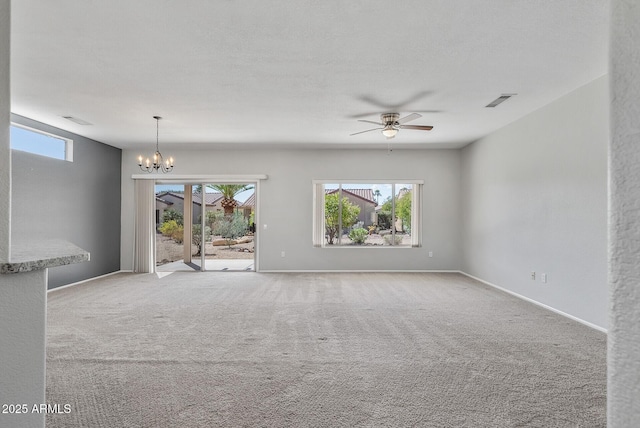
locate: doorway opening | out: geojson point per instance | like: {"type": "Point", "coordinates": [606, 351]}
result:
{"type": "Point", "coordinates": [205, 227]}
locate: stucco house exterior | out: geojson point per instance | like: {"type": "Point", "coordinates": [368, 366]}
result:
{"type": "Point", "coordinates": [175, 200]}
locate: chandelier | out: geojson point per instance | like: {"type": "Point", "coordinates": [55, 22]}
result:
{"type": "Point", "coordinates": [158, 163]}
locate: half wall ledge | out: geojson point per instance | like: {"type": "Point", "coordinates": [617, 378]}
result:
{"type": "Point", "coordinates": [36, 255]}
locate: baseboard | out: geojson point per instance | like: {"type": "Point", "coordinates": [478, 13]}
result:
{"type": "Point", "coordinates": [356, 271]}
{"type": "Point", "coordinates": [87, 280]}
{"type": "Point", "coordinates": [535, 302]}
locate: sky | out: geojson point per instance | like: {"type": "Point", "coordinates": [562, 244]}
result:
{"type": "Point", "coordinates": [35, 142]}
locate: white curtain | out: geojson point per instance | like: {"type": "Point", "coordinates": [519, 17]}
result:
{"type": "Point", "coordinates": [318, 215]}
{"type": "Point", "coordinates": [416, 216]}
{"type": "Point", "coordinates": [144, 251]}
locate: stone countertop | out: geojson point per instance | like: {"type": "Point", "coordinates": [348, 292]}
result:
{"type": "Point", "coordinates": [30, 256]}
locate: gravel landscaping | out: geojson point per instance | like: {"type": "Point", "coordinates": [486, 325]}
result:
{"type": "Point", "coordinates": [167, 250]}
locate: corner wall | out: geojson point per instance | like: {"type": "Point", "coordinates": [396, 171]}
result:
{"type": "Point", "coordinates": [75, 201]}
{"type": "Point", "coordinates": [286, 203]}
{"type": "Point", "coordinates": [5, 148]}
{"type": "Point", "coordinates": [623, 355]}
{"type": "Point", "coordinates": [534, 198]}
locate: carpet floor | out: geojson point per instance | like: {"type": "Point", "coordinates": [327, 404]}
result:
{"type": "Point", "coordinates": [316, 350]}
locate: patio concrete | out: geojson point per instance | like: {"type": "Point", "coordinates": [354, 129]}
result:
{"type": "Point", "coordinates": [210, 265]}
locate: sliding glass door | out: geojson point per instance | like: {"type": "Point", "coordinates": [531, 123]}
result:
{"type": "Point", "coordinates": [206, 226]}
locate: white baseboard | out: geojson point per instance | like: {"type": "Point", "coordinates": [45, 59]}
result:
{"type": "Point", "coordinates": [87, 280]}
{"type": "Point", "coordinates": [535, 302]}
{"type": "Point", "coordinates": [356, 271]}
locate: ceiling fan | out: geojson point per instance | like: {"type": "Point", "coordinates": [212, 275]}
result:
{"type": "Point", "coordinates": [390, 124]}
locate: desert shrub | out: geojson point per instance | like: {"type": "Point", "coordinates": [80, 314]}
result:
{"type": "Point", "coordinates": [384, 219]}
{"type": "Point", "coordinates": [197, 237]}
{"type": "Point", "coordinates": [212, 218]}
{"type": "Point", "coordinates": [172, 214]}
{"type": "Point", "coordinates": [231, 227]}
{"type": "Point", "coordinates": [178, 234]}
{"type": "Point", "coordinates": [358, 235]}
{"type": "Point", "coordinates": [168, 227]}
{"type": "Point", "coordinates": [389, 238]}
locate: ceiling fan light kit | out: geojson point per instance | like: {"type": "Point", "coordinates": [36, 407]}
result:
{"type": "Point", "coordinates": [389, 131]}
{"type": "Point", "coordinates": [390, 124]}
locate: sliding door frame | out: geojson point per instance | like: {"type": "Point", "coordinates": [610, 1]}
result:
{"type": "Point", "coordinates": [254, 180]}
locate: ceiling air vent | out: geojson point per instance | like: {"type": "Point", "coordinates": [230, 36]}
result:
{"type": "Point", "coordinates": [502, 98]}
{"type": "Point", "coordinates": [76, 120]}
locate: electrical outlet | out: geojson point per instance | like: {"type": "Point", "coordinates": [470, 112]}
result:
{"type": "Point", "coordinates": [282, 254]}
{"type": "Point", "coordinates": [543, 278]}
{"type": "Point", "coordinates": [430, 253]}
{"type": "Point", "coordinates": [533, 275]}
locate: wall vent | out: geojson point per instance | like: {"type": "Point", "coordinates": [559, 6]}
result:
{"type": "Point", "coordinates": [502, 98]}
{"type": "Point", "coordinates": [76, 120]}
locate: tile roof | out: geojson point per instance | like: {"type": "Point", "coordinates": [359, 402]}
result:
{"type": "Point", "coordinates": [163, 201]}
{"type": "Point", "coordinates": [366, 194]}
{"type": "Point", "coordinates": [210, 198]}
{"type": "Point", "coordinates": [250, 202]}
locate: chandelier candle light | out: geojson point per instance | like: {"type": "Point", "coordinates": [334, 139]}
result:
{"type": "Point", "coordinates": [158, 161]}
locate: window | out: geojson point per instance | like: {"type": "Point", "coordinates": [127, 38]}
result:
{"type": "Point", "coordinates": [41, 143]}
{"type": "Point", "coordinates": [366, 214]}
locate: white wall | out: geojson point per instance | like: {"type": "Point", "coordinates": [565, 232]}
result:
{"type": "Point", "coordinates": [623, 365]}
{"type": "Point", "coordinates": [5, 147]}
{"type": "Point", "coordinates": [534, 198]}
{"type": "Point", "coordinates": [286, 203]}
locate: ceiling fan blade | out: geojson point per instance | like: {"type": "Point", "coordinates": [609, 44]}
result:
{"type": "Point", "coordinates": [395, 106]}
{"type": "Point", "coordinates": [370, 121]}
{"type": "Point", "coordinates": [361, 115]}
{"type": "Point", "coordinates": [373, 101]}
{"type": "Point", "coordinates": [408, 118]}
{"type": "Point", "coordinates": [428, 111]}
{"type": "Point", "coordinates": [418, 127]}
{"type": "Point", "coordinates": [368, 130]}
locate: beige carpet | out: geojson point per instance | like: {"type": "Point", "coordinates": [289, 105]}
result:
{"type": "Point", "coordinates": [316, 350]}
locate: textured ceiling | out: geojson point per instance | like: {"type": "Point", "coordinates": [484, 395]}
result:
{"type": "Point", "coordinates": [298, 73]}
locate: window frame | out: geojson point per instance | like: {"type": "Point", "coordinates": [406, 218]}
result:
{"type": "Point", "coordinates": [68, 142]}
{"type": "Point", "coordinates": [318, 217]}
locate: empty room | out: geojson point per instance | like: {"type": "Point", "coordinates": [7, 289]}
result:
{"type": "Point", "coordinates": [321, 214]}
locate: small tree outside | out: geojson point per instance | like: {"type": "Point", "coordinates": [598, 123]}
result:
{"type": "Point", "coordinates": [377, 194]}
{"type": "Point", "coordinates": [384, 215]}
{"type": "Point", "coordinates": [331, 215]}
{"type": "Point", "coordinates": [197, 237]}
{"type": "Point", "coordinates": [403, 210]}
